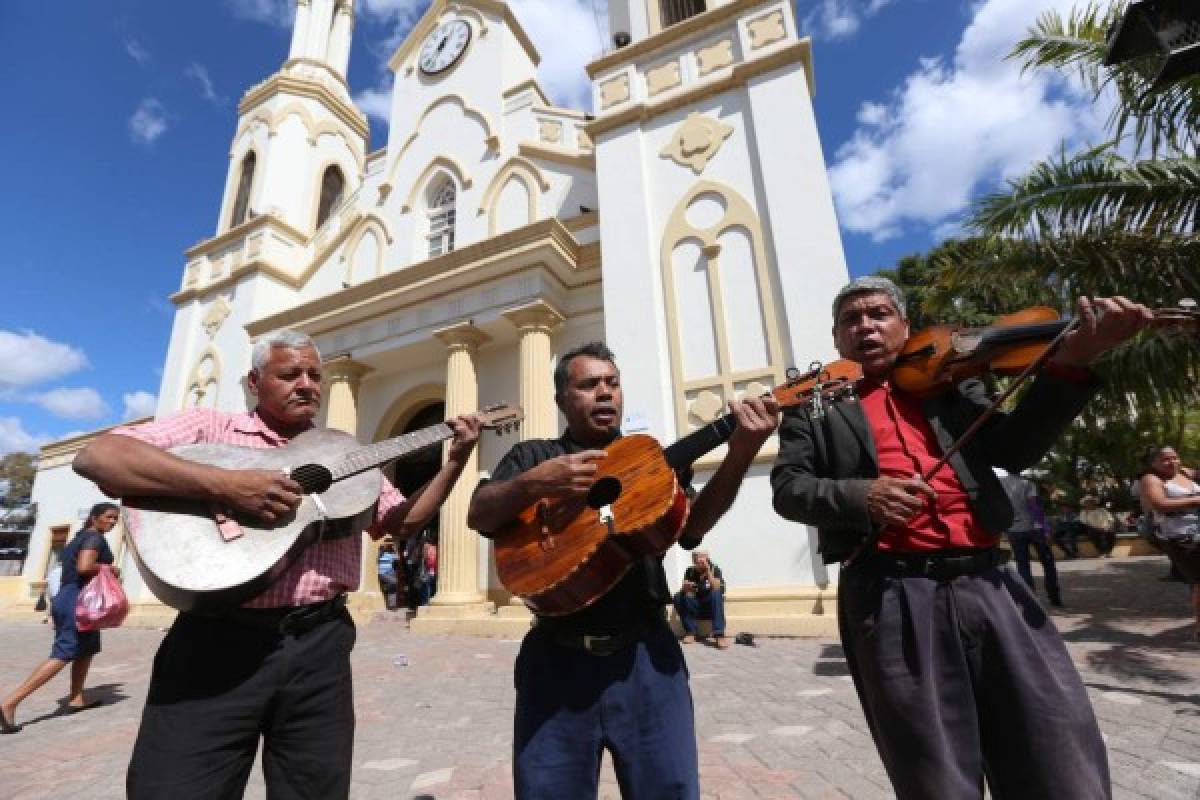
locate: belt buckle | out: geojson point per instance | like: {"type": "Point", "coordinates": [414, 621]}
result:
{"type": "Point", "coordinates": [589, 640]}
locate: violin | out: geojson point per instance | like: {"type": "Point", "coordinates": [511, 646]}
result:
{"type": "Point", "coordinates": [939, 357]}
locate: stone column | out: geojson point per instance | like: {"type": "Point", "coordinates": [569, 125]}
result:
{"type": "Point", "coordinates": [534, 324]}
{"type": "Point", "coordinates": [320, 23]}
{"type": "Point", "coordinates": [300, 30]}
{"type": "Point", "coordinates": [458, 545]}
{"type": "Point", "coordinates": [343, 375]}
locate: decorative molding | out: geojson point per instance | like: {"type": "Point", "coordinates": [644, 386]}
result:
{"type": "Point", "coordinates": [463, 336]}
{"type": "Point", "coordinates": [442, 163]}
{"type": "Point", "coordinates": [673, 35]}
{"type": "Point", "coordinates": [369, 224]}
{"type": "Point", "coordinates": [797, 52]}
{"type": "Point", "coordinates": [536, 316]}
{"type": "Point", "coordinates": [546, 245]}
{"type": "Point", "coordinates": [530, 85]}
{"type": "Point", "coordinates": [303, 87]}
{"type": "Point", "coordinates": [491, 140]}
{"type": "Point", "coordinates": [766, 30]}
{"type": "Point", "coordinates": [692, 404]}
{"type": "Point", "coordinates": [578, 160]}
{"type": "Point", "coordinates": [550, 131]}
{"type": "Point", "coordinates": [528, 174]}
{"type": "Point", "coordinates": [583, 141]}
{"type": "Point", "coordinates": [663, 77]}
{"type": "Point", "coordinates": [242, 231]}
{"type": "Point", "coordinates": [201, 380]}
{"type": "Point", "coordinates": [218, 312]}
{"type": "Point", "coordinates": [697, 141]}
{"type": "Point", "coordinates": [582, 222]}
{"type": "Point", "coordinates": [717, 55]}
{"type": "Point", "coordinates": [614, 91]}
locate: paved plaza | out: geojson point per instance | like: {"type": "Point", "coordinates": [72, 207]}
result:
{"type": "Point", "coordinates": [776, 720]}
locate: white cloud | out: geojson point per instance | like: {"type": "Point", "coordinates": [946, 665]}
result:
{"type": "Point", "coordinates": [201, 76]}
{"type": "Point", "coordinates": [838, 19]}
{"type": "Point", "coordinates": [82, 403]}
{"type": "Point", "coordinates": [957, 126]}
{"type": "Point", "coordinates": [567, 33]}
{"type": "Point", "coordinates": [139, 404]}
{"type": "Point", "coordinates": [15, 439]}
{"type": "Point", "coordinates": [375, 103]}
{"type": "Point", "coordinates": [149, 121]}
{"type": "Point", "coordinates": [137, 52]}
{"type": "Point", "coordinates": [30, 359]}
{"type": "Point", "coordinates": [271, 12]}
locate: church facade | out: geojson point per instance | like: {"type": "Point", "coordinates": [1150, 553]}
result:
{"type": "Point", "coordinates": [687, 222]}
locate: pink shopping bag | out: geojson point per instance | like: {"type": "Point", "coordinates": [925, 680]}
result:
{"type": "Point", "coordinates": [102, 602]}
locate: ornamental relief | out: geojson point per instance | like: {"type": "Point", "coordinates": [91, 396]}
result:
{"type": "Point", "coordinates": [216, 315]}
{"type": "Point", "coordinates": [697, 141]}
{"type": "Point", "coordinates": [766, 30]}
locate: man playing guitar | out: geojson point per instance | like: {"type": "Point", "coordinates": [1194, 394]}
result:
{"type": "Point", "coordinates": [611, 675]}
{"type": "Point", "coordinates": [279, 666]}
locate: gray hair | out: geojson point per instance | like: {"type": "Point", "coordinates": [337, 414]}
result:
{"type": "Point", "coordinates": [282, 338]}
{"type": "Point", "coordinates": [871, 284]}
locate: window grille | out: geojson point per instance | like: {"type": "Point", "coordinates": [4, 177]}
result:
{"type": "Point", "coordinates": [675, 11]}
{"type": "Point", "coordinates": [442, 220]}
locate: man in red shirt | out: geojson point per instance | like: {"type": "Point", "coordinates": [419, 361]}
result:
{"type": "Point", "coordinates": [959, 671]}
{"type": "Point", "coordinates": [278, 668]}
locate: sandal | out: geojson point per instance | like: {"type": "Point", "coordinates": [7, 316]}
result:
{"type": "Point", "coordinates": [6, 726]}
{"type": "Point", "coordinates": [85, 707]}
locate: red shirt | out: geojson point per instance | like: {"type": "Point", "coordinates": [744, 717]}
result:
{"type": "Point", "coordinates": [906, 445]}
{"type": "Point", "coordinates": [324, 569]}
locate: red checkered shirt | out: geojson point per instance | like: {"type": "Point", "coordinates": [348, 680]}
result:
{"type": "Point", "coordinates": [324, 569]}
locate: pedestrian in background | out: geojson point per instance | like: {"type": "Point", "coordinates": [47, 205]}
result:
{"type": "Point", "coordinates": [1174, 499]}
{"type": "Point", "coordinates": [81, 559]}
{"type": "Point", "coordinates": [1029, 529]}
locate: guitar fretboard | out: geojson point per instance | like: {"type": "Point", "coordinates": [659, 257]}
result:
{"type": "Point", "coordinates": [373, 455]}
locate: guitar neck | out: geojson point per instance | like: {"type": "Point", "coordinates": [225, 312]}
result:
{"type": "Point", "coordinates": [703, 440]}
{"type": "Point", "coordinates": [374, 455]}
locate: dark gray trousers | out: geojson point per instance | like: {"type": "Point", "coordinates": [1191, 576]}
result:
{"type": "Point", "coordinates": [968, 678]}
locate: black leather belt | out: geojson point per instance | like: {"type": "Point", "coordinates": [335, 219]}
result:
{"type": "Point", "coordinates": [944, 566]}
{"type": "Point", "coordinates": [608, 643]}
{"type": "Point", "coordinates": [287, 620]}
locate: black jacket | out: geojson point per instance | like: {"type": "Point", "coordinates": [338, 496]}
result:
{"type": "Point", "coordinates": [824, 466]}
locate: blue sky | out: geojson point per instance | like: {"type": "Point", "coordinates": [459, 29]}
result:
{"type": "Point", "coordinates": [121, 112]}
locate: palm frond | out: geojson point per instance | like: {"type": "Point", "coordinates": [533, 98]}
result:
{"type": "Point", "coordinates": [1096, 192]}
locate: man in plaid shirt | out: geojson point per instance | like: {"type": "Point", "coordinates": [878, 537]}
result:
{"type": "Point", "coordinates": [279, 666]}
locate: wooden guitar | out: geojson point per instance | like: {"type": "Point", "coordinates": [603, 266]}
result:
{"type": "Point", "coordinates": [198, 558]}
{"type": "Point", "coordinates": [560, 556]}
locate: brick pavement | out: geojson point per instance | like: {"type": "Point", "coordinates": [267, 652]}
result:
{"type": "Point", "coordinates": [777, 720]}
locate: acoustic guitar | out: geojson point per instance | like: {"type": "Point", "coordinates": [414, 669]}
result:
{"type": "Point", "coordinates": [561, 555]}
{"type": "Point", "coordinates": [195, 557]}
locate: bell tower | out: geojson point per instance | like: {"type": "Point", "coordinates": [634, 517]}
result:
{"type": "Point", "coordinates": [300, 145]}
{"type": "Point", "coordinates": [634, 20]}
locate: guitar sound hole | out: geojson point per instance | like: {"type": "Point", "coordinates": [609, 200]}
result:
{"type": "Point", "coordinates": [604, 492]}
{"type": "Point", "coordinates": [313, 477]}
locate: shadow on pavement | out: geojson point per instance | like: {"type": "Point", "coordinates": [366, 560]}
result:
{"type": "Point", "coordinates": [107, 693]}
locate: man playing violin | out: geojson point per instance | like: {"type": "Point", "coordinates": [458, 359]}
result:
{"type": "Point", "coordinates": [278, 667]}
{"type": "Point", "coordinates": [959, 671]}
{"type": "Point", "coordinates": [611, 675]}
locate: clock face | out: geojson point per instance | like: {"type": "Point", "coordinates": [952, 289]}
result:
{"type": "Point", "coordinates": [444, 47]}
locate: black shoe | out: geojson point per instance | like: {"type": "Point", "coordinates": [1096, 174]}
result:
{"type": "Point", "coordinates": [1056, 601]}
{"type": "Point", "coordinates": [6, 726]}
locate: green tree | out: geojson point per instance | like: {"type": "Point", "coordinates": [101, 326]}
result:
{"type": "Point", "coordinates": [18, 469]}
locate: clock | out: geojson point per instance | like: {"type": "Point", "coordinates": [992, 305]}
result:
{"type": "Point", "coordinates": [444, 47]}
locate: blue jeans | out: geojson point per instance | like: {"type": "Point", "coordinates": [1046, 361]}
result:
{"type": "Point", "coordinates": [1020, 541]}
{"type": "Point", "coordinates": [694, 607]}
{"type": "Point", "coordinates": [572, 705]}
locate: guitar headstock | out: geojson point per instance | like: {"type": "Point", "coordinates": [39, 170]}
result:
{"type": "Point", "coordinates": [501, 418]}
{"type": "Point", "coordinates": [821, 385]}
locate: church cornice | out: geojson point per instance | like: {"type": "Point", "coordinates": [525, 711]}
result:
{"type": "Point", "coordinates": [242, 231]}
{"type": "Point", "coordinates": [547, 244]}
{"type": "Point", "coordinates": [737, 77]}
{"type": "Point", "coordinates": [692, 26]}
{"type": "Point", "coordinates": [559, 155]}
{"type": "Point", "coordinates": [290, 84]}
{"type": "Point", "coordinates": [430, 19]}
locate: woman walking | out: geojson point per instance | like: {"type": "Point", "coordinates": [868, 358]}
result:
{"type": "Point", "coordinates": [81, 559]}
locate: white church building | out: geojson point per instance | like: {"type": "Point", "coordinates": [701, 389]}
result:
{"type": "Point", "coordinates": [687, 222]}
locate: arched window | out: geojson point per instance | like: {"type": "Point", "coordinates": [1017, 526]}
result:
{"type": "Point", "coordinates": [241, 205]}
{"type": "Point", "coordinates": [441, 218]}
{"type": "Point", "coordinates": [675, 11]}
{"type": "Point", "coordinates": [333, 186]}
